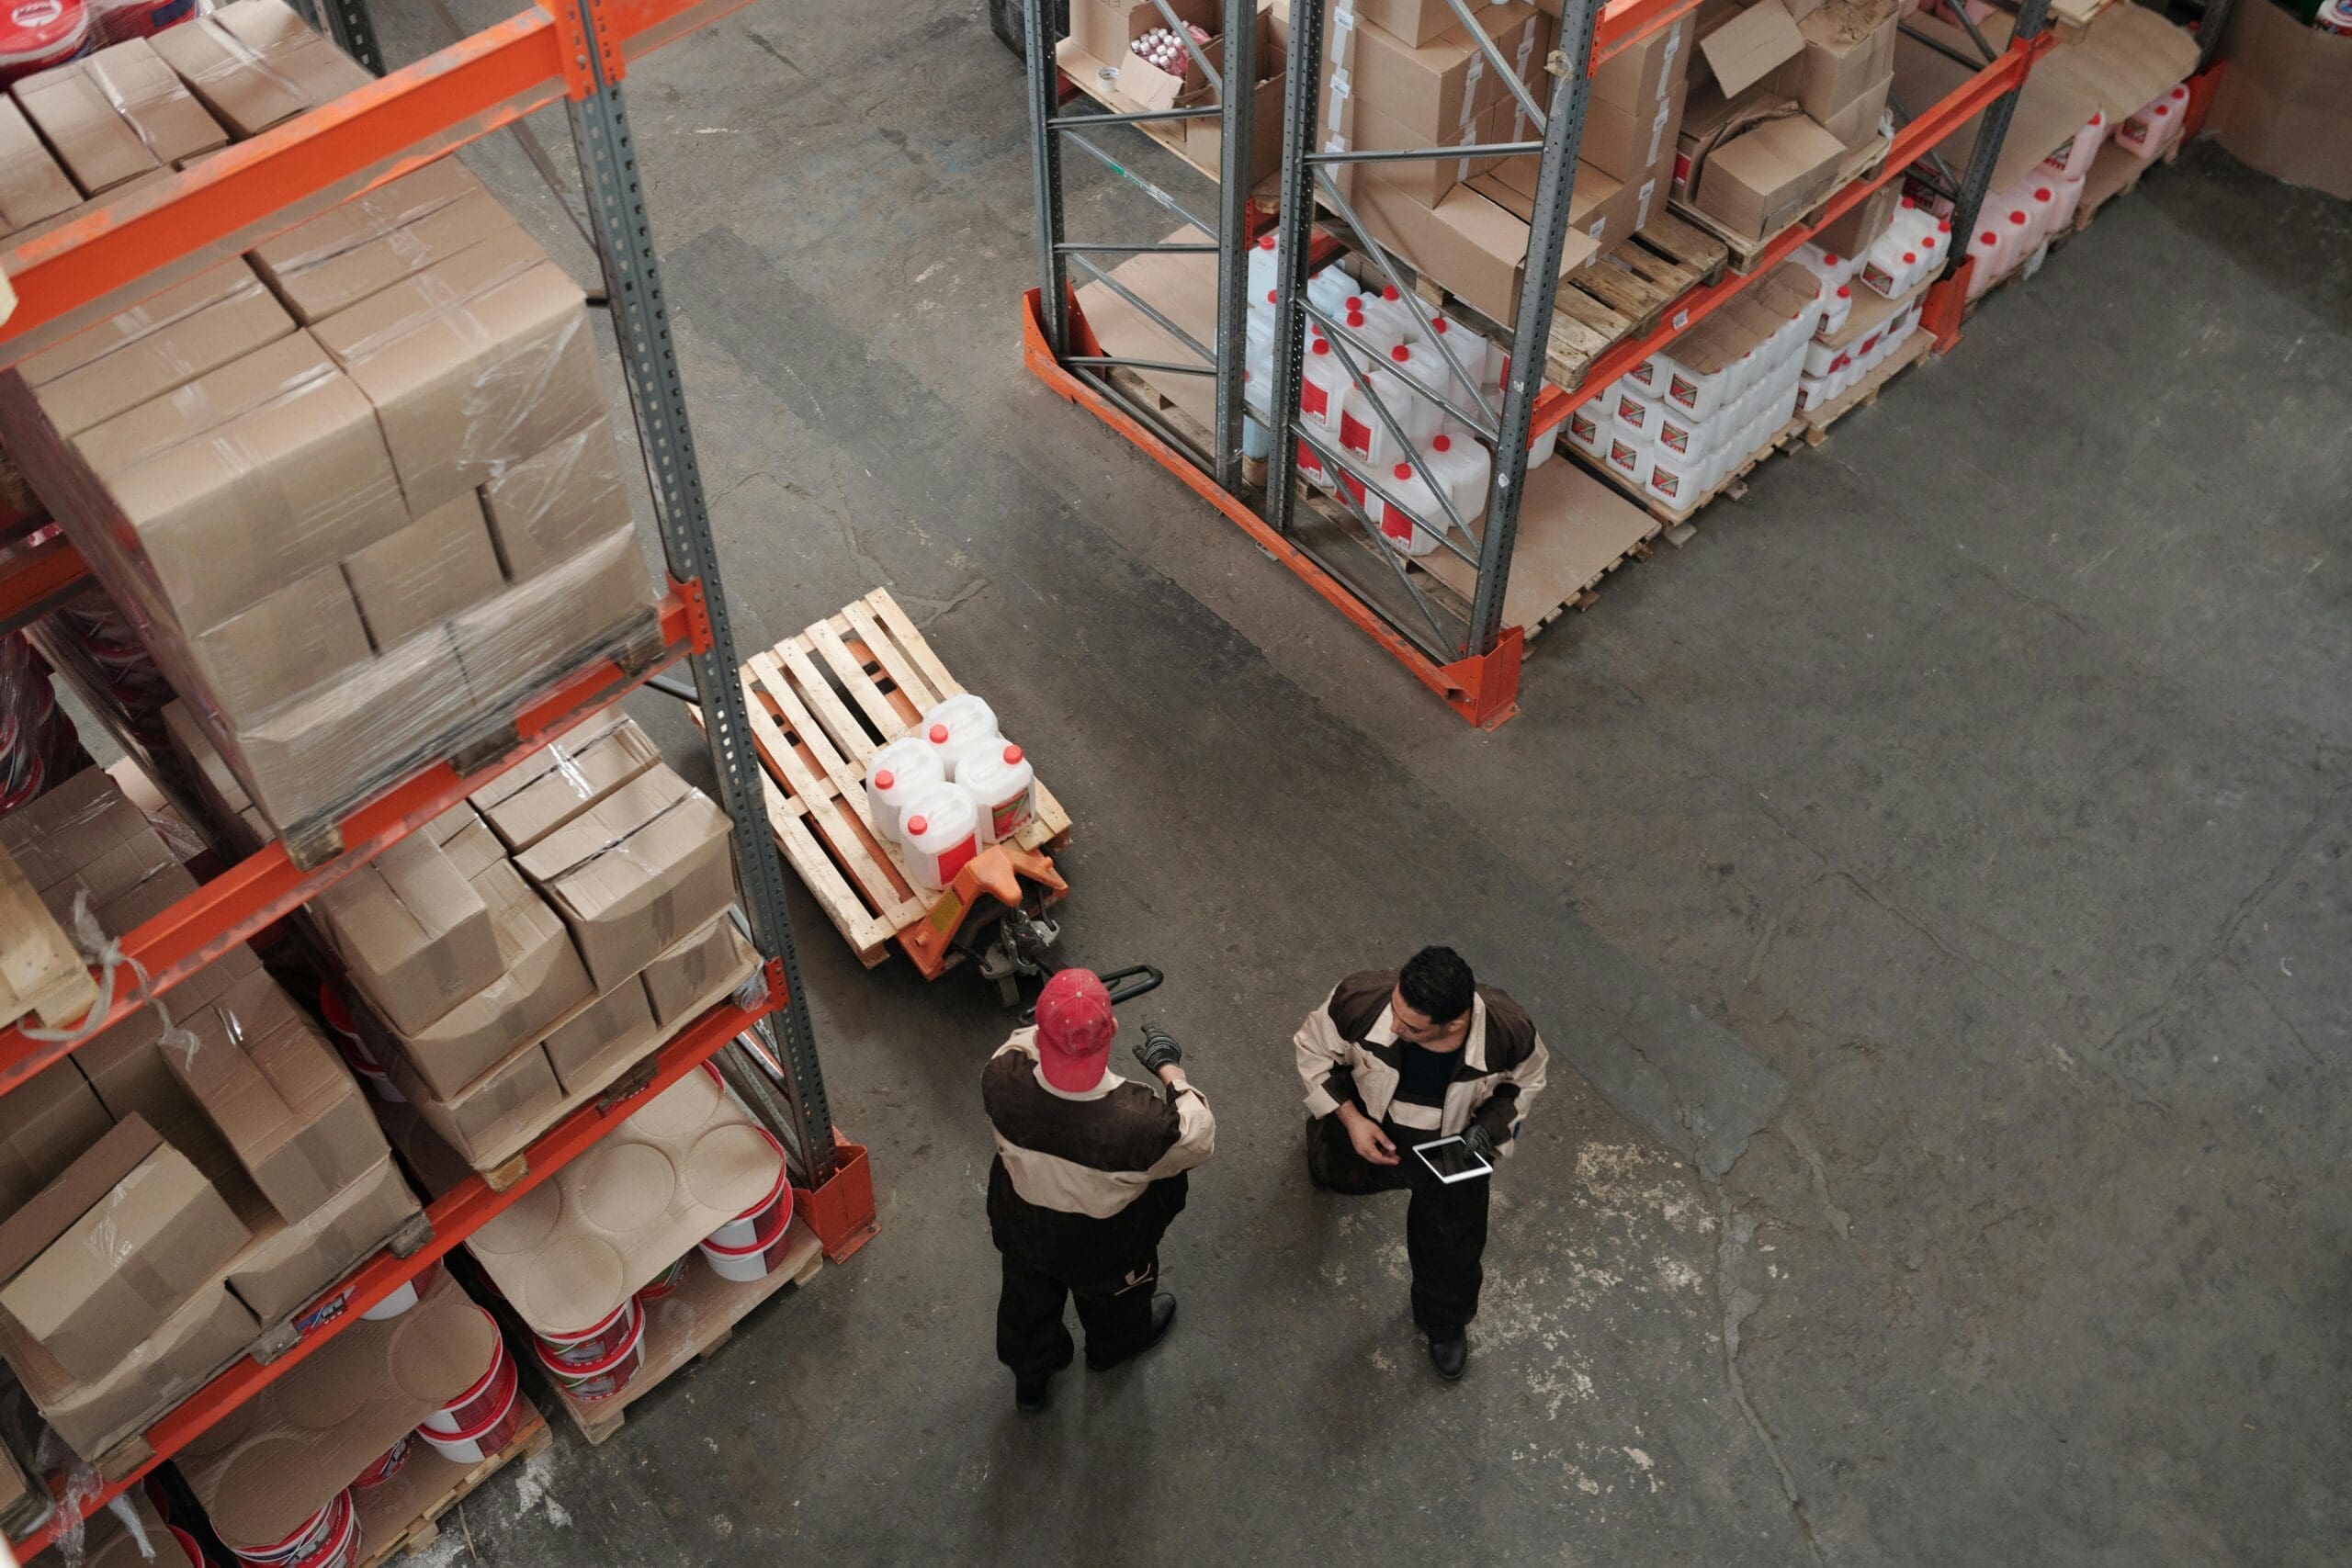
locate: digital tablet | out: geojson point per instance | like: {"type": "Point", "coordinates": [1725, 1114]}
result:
{"type": "Point", "coordinates": [1450, 1160]}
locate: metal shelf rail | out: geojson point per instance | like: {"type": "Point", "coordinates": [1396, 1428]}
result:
{"type": "Point", "coordinates": [1472, 663]}
{"type": "Point", "coordinates": [131, 249]}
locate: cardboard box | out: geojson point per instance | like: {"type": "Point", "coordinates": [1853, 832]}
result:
{"type": "Point", "coordinates": [471, 365]}
{"type": "Point", "coordinates": [1104, 29]}
{"type": "Point", "coordinates": [92, 1415]}
{"type": "Point", "coordinates": [45, 1124]}
{"type": "Point", "coordinates": [175, 303]}
{"type": "Point", "coordinates": [615, 1028]}
{"type": "Point", "coordinates": [333, 746]}
{"type": "Point", "coordinates": [2126, 58]}
{"type": "Point", "coordinates": [1857, 124]}
{"type": "Point", "coordinates": [274, 1460]}
{"type": "Point", "coordinates": [1646, 70]}
{"type": "Point", "coordinates": [414, 935]}
{"type": "Point", "coordinates": [222, 799]}
{"type": "Point", "coordinates": [1466, 242]}
{"type": "Point", "coordinates": [125, 1064]}
{"type": "Point", "coordinates": [280, 489]}
{"type": "Point", "coordinates": [1205, 139]}
{"type": "Point", "coordinates": [287, 1263]}
{"type": "Point", "coordinates": [632, 875]}
{"type": "Point", "coordinates": [1601, 208]}
{"type": "Point", "coordinates": [2280, 108]}
{"type": "Point", "coordinates": [1848, 55]}
{"type": "Point", "coordinates": [580, 777]}
{"type": "Point", "coordinates": [1426, 180]}
{"type": "Point", "coordinates": [1415, 22]}
{"type": "Point", "coordinates": [427, 572]}
{"type": "Point", "coordinates": [688, 1162]}
{"type": "Point", "coordinates": [116, 115]}
{"type": "Point", "coordinates": [122, 1239]}
{"type": "Point", "coordinates": [255, 65]}
{"type": "Point", "coordinates": [1863, 224]}
{"type": "Point", "coordinates": [306, 635]}
{"type": "Point", "coordinates": [546, 509]}
{"type": "Point", "coordinates": [556, 753]}
{"type": "Point", "coordinates": [494, 1116]}
{"type": "Point", "coordinates": [279, 1095]}
{"type": "Point", "coordinates": [32, 188]}
{"type": "Point", "coordinates": [165, 358]}
{"type": "Point", "coordinates": [474, 849]}
{"type": "Point", "coordinates": [541, 980]}
{"type": "Point", "coordinates": [2050, 108]}
{"type": "Point", "coordinates": [1759, 180]}
{"type": "Point", "coordinates": [1747, 49]}
{"type": "Point", "coordinates": [1626, 140]}
{"type": "Point", "coordinates": [539, 630]}
{"type": "Point", "coordinates": [110, 1543]}
{"type": "Point", "coordinates": [53, 835]}
{"type": "Point", "coordinates": [1439, 87]}
{"type": "Point", "coordinates": [377, 238]}
{"type": "Point", "coordinates": [718, 955]}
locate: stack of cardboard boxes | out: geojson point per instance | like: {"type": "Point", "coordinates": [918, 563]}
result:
{"type": "Point", "coordinates": [1789, 93]}
{"type": "Point", "coordinates": [357, 490]}
{"type": "Point", "coordinates": [1405, 73]}
{"type": "Point", "coordinates": [188, 1178]}
{"type": "Point", "coordinates": [528, 948]}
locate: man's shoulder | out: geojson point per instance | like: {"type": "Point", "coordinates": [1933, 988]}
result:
{"type": "Point", "coordinates": [1511, 1029]}
{"type": "Point", "coordinates": [1357, 1001]}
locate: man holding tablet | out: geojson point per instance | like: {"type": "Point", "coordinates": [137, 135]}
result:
{"type": "Point", "coordinates": [1418, 1079]}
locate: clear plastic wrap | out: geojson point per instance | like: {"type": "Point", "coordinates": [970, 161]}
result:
{"type": "Point", "coordinates": [116, 114]}
{"type": "Point", "coordinates": [255, 63]}
{"type": "Point", "coordinates": [351, 546]}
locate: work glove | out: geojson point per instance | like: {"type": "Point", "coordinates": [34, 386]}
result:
{"type": "Point", "coordinates": [1480, 1142]}
{"type": "Point", "coordinates": [1158, 1049]}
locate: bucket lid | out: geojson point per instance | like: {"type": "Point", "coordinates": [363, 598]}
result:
{"type": "Point", "coordinates": [762, 1240]}
{"type": "Point", "coordinates": [783, 1176]}
{"type": "Point", "coordinates": [490, 1373]}
{"type": "Point", "coordinates": [467, 1434]}
{"type": "Point", "coordinates": [592, 1332]}
{"type": "Point", "coordinates": [277, 1549]}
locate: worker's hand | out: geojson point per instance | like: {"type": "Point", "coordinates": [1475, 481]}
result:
{"type": "Point", "coordinates": [1158, 1049]}
{"type": "Point", "coordinates": [1479, 1142]}
{"type": "Point", "coordinates": [1370, 1143]}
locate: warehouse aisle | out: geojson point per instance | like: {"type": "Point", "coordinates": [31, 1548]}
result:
{"type": "Point", "coordinates": [1935, 872]}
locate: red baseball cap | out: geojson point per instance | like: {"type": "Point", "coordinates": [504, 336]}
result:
{"type": "Point", "coordinates": [1074, 1030]}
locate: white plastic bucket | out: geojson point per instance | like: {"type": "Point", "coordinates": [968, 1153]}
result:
{"type": "Point", "coordinates": [1588, 427]}
{"type": "Point", "coordinates": [404, 1295]}
{"type": "Point", "coordinates": [481, 1398]}
{"type": "Point", "coordinates": [744, 1228]}
{"type": "Point", "coordinates": [488, 1436]}
{"type": "Point", "coordinates": [952, 717]}
{"type": "Point", "coordinates": [749, 1264]}
{"type": "Point", "coordinates": [592, 1345]}
{"type": "Point", "coordinates": [602, 1379]}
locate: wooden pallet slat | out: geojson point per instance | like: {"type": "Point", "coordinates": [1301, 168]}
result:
{"type": "Point", "coordinates": [852, 671]}
{"type": "Point", "coordinates": [887, 611]}
{"type": "Point", "coordinates": [42, 973]}
{"type": "Point", "coordinates": [841, 726]}
{"type": "Point", "coordinates": [1705, 255]}
{"type": "Point", "coordinates": [402, 1514]}
{"type": "Point", "coordinates": [887, 654]}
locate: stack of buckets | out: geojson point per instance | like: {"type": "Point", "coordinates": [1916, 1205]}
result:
{"type": "Point", "coordinates": [483, 1419]}
{"type": "Point", "coordinates": [328, 1539]}
{"type": "Point", "coordinates": [949, 786]}
{"type": "Point", "coordinates": [600, 1360]}
{"type": "Point", "coordinates": [750, 1247]}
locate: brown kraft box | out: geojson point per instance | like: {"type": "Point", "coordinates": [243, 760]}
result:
{"type": "Point", "coordinates": [586, 775]}
{"type": "Point", "coordinates": [428, 572]}
{"type": "Point", "coordinates": [2281, 110]}
{"type": "Point", "coordinates": [544, 509]}
{"type": "Point", "coordinates": [690, 971]}
{"type": "Point", "coordinates": [414, 935]}
{"type": "Point", "coordinates": [635, 872]}
{"type": "Point", "coordinates": [541, 980]}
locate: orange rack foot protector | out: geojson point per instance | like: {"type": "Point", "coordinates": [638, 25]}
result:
{"type": "Point", "coordinates": [842, 1211]}
{"type": "Point", "coordinates": [1482, 689]}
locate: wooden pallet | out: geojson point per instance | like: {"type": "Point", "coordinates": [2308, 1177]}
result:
{"type": "Point", "coordinates": [1745, 252]}
{"type": "Point", "coordinates": [41, 971]}
{"type": "Point", "coordinates": [403, 1515]}
{"type": "Point", "coordinates": [691, 1323]}
{"type": "Point", "coordinates": [1815, 423]}
{"type": "Point", "coordinates": [2115, 171]}
{"type": "Point", "coordinates": [821, 703]}
{"type": "Point", "coordinates": [1622, 294]}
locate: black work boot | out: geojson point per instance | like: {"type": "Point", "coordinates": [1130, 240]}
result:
{"type": "Point", "coordinates": [1163, 1314]}
{"type": "Point", "coordinates": [1449, 1354]}
{"type": "Point", "coordinates": [1030, 1394]}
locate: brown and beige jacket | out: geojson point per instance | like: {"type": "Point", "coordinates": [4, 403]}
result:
{"type": "Point", "coordinates": [1086, 1181]}
{"type": "Point", "coordinates": [1348, 1051]}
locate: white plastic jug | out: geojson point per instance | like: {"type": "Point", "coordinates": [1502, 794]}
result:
{"type": "Point", "coordinates": [1893, 264]}
{"type": "Point", "coordinates": [1696, 393]}
{"type": "Point", "coordinates": [2070, 199]}
{"type": "Point", "coordinates": [939, 835]}
{"type": "Point", "coordinates": [1398, 385]}
{"type": "Point", "coordinates": [1632, 414]}
{"type": "Point", "coordinates": [1370, 329]}
{"type": "Point", "coordinates": [2073, 160]}
{"type": "Point", "coordinates": [1003, 786]}
{"type": "Point", "coordinates": [895, 774]}
{"type": "Point", "coordinates": [1394, 318]}
{"type": "Point", "coordinates": [1462, 467]}
{"type": "Point", "coordinates": [1469, 350]}
{"type": "Point", "coordinates": [1588, 427]}
{"type": "Point", "coordinates": [1408, 514]}
{"type": "Point", "coordinates": [1672, 477]}
{"type": "Point", "coordinates": [1265, 269]}
{"type": "Point", "coordinates": [1630, 460]}
{"type": "Point", "coordinates": [952, 717]}
{"type": "Point", "coordinates": [1328, 290]}
{"type": "Point", "coordinates": [2017, 240]}
{"type": "Point", "coordinates": [1984, 250]}
{"type": "Point", "coordinates": [1840, 305]}
{"type": "Point", "coordinates": [1680, 439]}
{"type": "Point", "coordinates": [962, 748]}
{"type": "Point", "coordinates": [1323, 386]}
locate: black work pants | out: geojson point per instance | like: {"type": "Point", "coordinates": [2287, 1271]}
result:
{"type": "Point", "coordinates": [1115, 1312]}
{"type": "Point", "coordinates": [1446, 1226]}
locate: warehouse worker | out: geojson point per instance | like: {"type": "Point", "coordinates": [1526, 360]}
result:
{"type": "Point", "coordinates": [1090, 1168]}
{"type": "Point", "coordinates": [1398, 1059]}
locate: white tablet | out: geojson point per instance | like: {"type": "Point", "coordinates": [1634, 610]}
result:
{"type": "Point", "coordinates": [1451, 1160]}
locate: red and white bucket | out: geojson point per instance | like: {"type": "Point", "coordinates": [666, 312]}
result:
{"type": "Point", "coordinates": [187, 1544]}
{"type": "Point", "coordinates": [663, 1283]}
{"type": "Point", "coordinates": [478, 1441]}
{"type": "Point", "coordinates": [485, 1397]}
{"type": "Point", "coordinates": [591, 1346]}
{"type": "Point", "coordinates": [746, 1228]}
{"type": "Point", "coordinates": [38, 34]}
{"type": "Point", "coordinates": [328, 1539]}
{"type": "Point", "coordinates": [387, 1464]}
{"type": "Point", "coordinates": [404, 1295]}
{"type": "Point", "coordinates": [748, 1265]}
{"type": "Point", "coordinates": [603, 1379]}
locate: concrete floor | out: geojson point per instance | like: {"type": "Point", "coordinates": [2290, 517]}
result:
{"type": "Point", "coordinates": [1932, 882]}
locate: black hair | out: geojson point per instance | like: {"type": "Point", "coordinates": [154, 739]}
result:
{"type": "Point", "coordinates": [1437, 982]}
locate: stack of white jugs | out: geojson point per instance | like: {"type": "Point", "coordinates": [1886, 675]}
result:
{"type": "Point", "coordinates": [1913, 249]}
{"type": "Point", "coordinates": [948, 788]}
{"type": "Point", "coordinates": [1403, 503]}
{"type": "Point", "coordinates": [1908, 252]}
{"type": "Point", "coordinates": [1676, 429]}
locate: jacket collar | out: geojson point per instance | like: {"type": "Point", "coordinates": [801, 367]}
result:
{"type": "Point", "coordinates": [1474, 1050]}
{"type": "Point", "coordinates": [1025, 1042]}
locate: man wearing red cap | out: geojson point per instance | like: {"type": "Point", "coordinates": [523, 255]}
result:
{"type": "Point", "coordinates": [1089, 1170]}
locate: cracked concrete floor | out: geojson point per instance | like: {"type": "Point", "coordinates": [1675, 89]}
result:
{"type": "Point", "coordinates": [1932, 880]}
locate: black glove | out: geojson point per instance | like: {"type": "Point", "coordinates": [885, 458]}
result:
{"type": "Point", "coordinates": [1158, 1049]}
{"type": "Point", "coordinates": [1479, 1142]}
